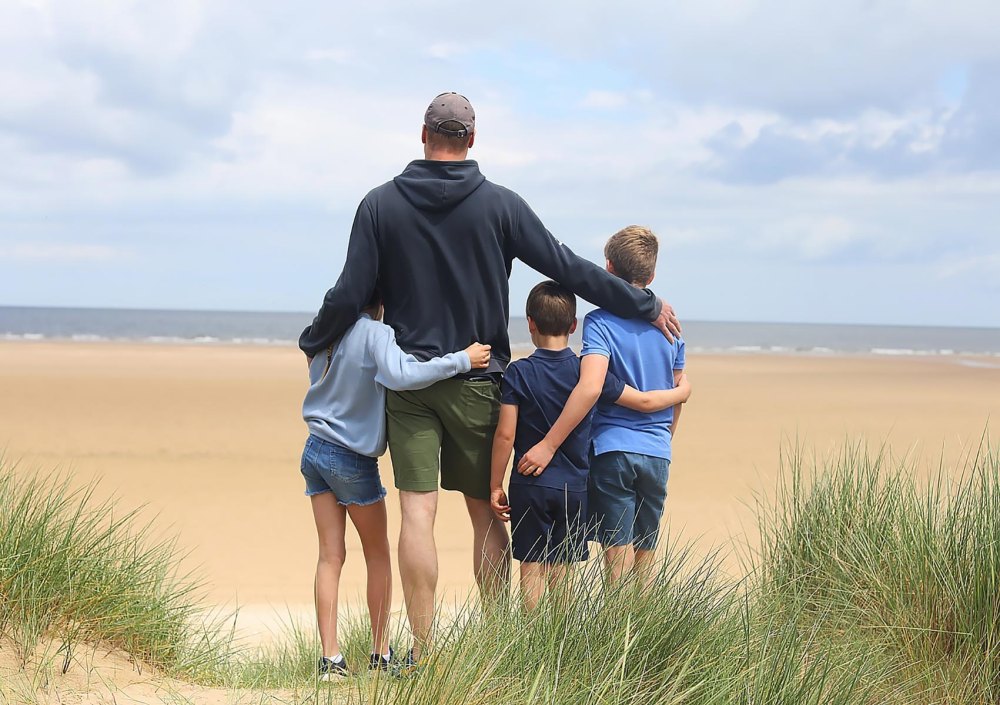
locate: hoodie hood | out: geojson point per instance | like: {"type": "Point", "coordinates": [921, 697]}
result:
{"type": "Point", "coordinates": [437, 186]}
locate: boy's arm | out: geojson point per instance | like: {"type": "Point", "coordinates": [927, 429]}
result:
{"type": "Point", "coordinates": [401, 372]}
{"type": "Point", "coordinates": [593, 370]}
{"type": "Point", "coordinates": [659, 399]}
{"type": "Point", "coordinates": [503, 445]}
{"type": "Point", "coordinates": [679, 377]}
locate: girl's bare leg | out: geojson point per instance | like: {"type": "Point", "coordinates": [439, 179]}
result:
{"type": "Point", "coordinates": [370, 521]}
{"type": "Point", "coordinates": [330, 523]}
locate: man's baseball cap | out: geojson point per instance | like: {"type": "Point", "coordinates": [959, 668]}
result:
{"type": "Point", "coordinates": [451, 107]}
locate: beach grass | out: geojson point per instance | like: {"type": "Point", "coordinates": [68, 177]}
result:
{"type": "Point", "coordinates": [81, 572]}
{"type": "Point", "coordinates": [907, 568]}
{"type": "Point", "coordinates": [876, 582]}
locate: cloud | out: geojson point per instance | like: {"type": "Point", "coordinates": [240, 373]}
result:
{"type": "Point", "coordinates": [769, 137]}
{"type": "Point", "coordinates": [603, 100]}
{"type": "Point", "coordinates": [446, 50]}
{"type": "Point", "coordinates": [61, 252]}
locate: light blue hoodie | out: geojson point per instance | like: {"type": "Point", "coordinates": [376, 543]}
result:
{"type": "Point", "coordinates": [345, 404]}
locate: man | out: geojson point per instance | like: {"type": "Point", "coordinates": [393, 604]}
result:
{"type": "Point", "coordinates": [439, 240]}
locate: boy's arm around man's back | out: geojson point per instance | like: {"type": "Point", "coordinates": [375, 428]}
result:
{"type": "Point", "coordinates": [658, 399]}
{"type": "Point", "coordinates": [593, 370]}
{"type": "Point", "coordinates": [679, 378]}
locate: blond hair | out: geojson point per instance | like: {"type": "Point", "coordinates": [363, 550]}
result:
{"type": "Point", "coordinates": [632, 253]}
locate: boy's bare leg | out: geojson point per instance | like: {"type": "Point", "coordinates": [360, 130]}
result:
{"type": "Point", "coordinates": [560, 582]}
{"type": "Point", "coordinates": [618, 561]}
{"type": "Point", "coordinates": [418, 564]}
{"type": "Point", "coordinates": [370, 521]}
{"type": "Point", "coordinates": [330, 520]}
{"type": "Point", "coordinates": [490, 550]}
{"type": "Point", "coordinates": [534, 577]}
{"type": "Point", "coordinates": [645, 567]}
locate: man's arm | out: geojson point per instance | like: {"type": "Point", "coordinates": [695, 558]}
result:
{"type": "Point", "coordinates": [343, 303]}
{"type": "Point", "coordinates": [659, 399]}
{"type": "Point", "coordinates": [503, 446]}
{"type": "Point", "coordinates": [537, 248]}
{"type": "Point", "coordinates": [593, 370]}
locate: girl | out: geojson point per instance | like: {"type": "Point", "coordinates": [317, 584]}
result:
{"type": "Point", "coordinates": [345, 411]}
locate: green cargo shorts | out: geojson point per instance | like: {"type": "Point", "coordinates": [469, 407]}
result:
{"type": "Point", "coordinates": [446, 429]}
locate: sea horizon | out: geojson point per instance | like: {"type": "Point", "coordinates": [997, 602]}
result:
{"type": "Point", "coordinates": [279, 328]}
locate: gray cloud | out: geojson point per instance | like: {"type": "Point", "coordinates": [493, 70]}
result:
{"type": "Point", "coordinates": [963, 140]}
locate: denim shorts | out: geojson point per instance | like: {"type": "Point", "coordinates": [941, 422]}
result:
{"type": "Point", "coordinates": [548, 525]}
{"type": "Point", "coordinates": [328, 467]}
{"type": "Point", "coordinates": [626, 495]}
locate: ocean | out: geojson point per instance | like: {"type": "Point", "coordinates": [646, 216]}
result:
{"type": "Point", "coordinates": [282, 329]}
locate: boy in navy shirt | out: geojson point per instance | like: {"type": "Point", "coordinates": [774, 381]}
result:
{"type": "Point", "coordinates": [548, 506]}
{"type": "Point", "coordinates": [631, 454]}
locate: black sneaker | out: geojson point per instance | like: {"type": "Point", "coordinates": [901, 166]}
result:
{"type": "Point", "coordinates": [378, 662]}
{"type": "Point", "coordinates": [330, 670]}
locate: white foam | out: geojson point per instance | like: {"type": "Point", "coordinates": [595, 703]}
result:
{"type": "Point", "coordinates": [899, 351]}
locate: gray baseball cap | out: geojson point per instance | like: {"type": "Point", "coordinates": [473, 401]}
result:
{"type": "Point", "coordinates": [451, 107]}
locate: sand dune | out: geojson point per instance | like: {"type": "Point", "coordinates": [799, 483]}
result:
{"type": "Point", "coordinates": [208, 439]}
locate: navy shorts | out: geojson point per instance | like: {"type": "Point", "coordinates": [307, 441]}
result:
{"type": "Point", "coordinates": [329, 467]}
{"type": "Point", "coordinates": [626, 495]}
{"type": "Point", "coordinates": [548, 525]}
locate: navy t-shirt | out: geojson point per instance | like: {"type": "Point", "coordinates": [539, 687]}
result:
{"type": "Point", "coordinates": [539, 386]}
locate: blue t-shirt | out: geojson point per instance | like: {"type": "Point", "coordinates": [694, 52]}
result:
{"type": "Point", "coordinates": [641, 357]}
{"type": "Point", "coordinates": [539, 386]}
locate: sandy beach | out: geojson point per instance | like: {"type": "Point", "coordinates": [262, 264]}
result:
{"type": "Point", "coordinates": [207, 439]}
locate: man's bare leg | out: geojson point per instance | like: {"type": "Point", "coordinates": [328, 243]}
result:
{"type": "Point", "coordinates": [490, 550]}
{"type": "Point", "coordinates": [418, 564]}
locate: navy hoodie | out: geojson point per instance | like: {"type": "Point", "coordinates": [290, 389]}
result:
{"type": "Point", "coordinates": [439, 241]}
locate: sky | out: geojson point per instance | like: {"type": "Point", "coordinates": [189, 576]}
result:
{"type": "Point", "coordinates": [801, 161]}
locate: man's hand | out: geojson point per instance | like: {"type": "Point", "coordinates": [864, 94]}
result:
{"type": "Point", "coordinates": [667, 321]}
{"type": "Point", "coordinates": [536, 460]}
{"type": "Point", "coordinates": [500, 504]}
{"type": "Point", "coordinates": [479, 355]}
